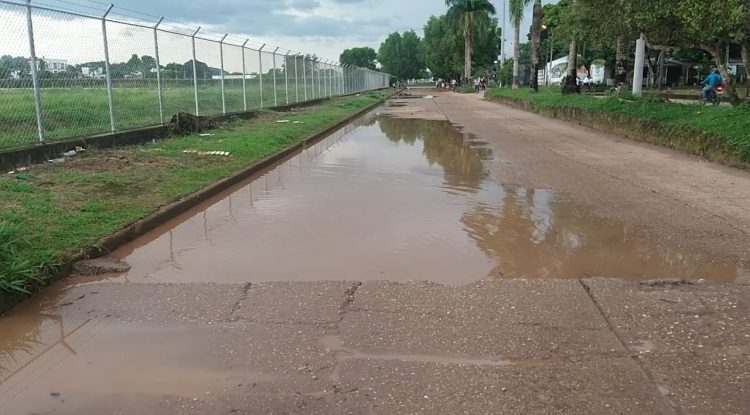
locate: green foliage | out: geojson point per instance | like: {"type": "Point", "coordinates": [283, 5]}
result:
{"type": "Point", "coordinates": [401, 55]}
{"type": "Point", "coordinates": [362, 57]}
{"type": "Point", "coordinates": [727, 124]}
{"type": "Point", "coordinates": [469, 16]}
{"type": "Point", "coordinates": [443, 46]}
{"type": "Point", "coordinates": [17, 274]}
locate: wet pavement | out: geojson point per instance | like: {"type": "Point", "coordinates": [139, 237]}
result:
{"type": "Point", "coordinates": [403, 199]}
{"type": "Point", "coordinates": [379, 271]}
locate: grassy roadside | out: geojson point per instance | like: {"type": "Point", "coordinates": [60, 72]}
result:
{"type": "Point", "coordinates": [73, 112]}
{"type": "Point", "coordinates": [52, 212]}
{"type": "Point", "coordinates": [720, 133]}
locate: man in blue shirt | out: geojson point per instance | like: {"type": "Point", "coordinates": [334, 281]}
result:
{"type": "Point", "coordinates": [712, 82]}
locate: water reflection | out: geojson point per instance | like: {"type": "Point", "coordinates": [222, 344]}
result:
{"type": "Point", "coordinates": [394, 199]}
{"type": "Point", "coordinates": [534, 233]}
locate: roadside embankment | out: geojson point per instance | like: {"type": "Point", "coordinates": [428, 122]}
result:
{"type": "Point", "coordinates": [716, 133]}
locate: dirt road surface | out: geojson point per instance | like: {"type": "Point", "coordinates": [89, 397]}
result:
{"type": "Point", "coordinates": [684, 199]}
{"type": "Point", "coordinates": [133, 345]}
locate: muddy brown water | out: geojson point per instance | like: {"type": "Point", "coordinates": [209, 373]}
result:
{"type": "Point", "coordinates": [402, 199]}
{"type": "Point", "coordinates": [382, 199]}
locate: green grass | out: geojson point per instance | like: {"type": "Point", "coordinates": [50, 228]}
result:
{"type": "Point", "coordinates": [64, 209]}
{"type": "Point", "coordinates": [727, 124]}
{"type": "Point", "coordinates": [77, 111]}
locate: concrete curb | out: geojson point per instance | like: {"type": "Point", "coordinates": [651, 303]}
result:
{"type": "Point", "coordinates": [165, 213]}
{"type": "Point", "coordinates": [693, 142]}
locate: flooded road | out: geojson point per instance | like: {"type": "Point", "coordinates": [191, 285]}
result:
{"type": "Point", "coordinates": [402, 199]}
{"type": "Point", "coordinates": [383, 199]}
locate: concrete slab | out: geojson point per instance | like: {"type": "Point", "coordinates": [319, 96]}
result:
{"type": "Point", "coordinates": [705, 383]}
{"type": "Point", "coordinates": [552, 303]}
{"type": "Point", "coordinates": [611, 386]}
{"type": "Point", "coordinates": [675, 318]}
{"type": "Point", "coordinates": [116, 363]}
{"type": "Point", "coordinates": [465, 336]}
{"type": "Point", "coordinates": [295, 302]}
{"type": "Point", "coordinates": [188, 303]}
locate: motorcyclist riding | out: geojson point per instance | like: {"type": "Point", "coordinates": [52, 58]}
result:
{"type": "Point", "coordinates": [711, 82]}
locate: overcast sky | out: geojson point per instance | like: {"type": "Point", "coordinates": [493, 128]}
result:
{"type": "Point", "coordinates": [325, 27]}
{"type": "Point", "coordinates": [321, 27]}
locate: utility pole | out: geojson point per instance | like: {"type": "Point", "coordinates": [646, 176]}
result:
{"type": "Point", "coordinates": [503, 32]}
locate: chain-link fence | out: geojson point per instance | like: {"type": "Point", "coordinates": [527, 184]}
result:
{"type": "Point", "coordinates": [71, 69]}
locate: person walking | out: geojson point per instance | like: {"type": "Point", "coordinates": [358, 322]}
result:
{"type": "Point", "coordinates": [453, 84]}
{"type": "Point", "coordinates": [477, 85]}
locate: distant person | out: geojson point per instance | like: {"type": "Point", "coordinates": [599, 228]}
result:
{"type": "Point", "coordinates": [477, 85]}
{"type": "Point", "coordinates": [711, 82]}
{"type": "Point", "coordinates": [453, 84]}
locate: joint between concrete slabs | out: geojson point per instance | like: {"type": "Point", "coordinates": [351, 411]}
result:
{"type": "Point", "coordinates": [676, 408]}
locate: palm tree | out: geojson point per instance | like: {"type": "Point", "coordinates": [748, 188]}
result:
{"type": "Point", "coordinates": [516, 17]}
{"type": "Point", "coordinates": [536, 34]}
{"type": "Point", "coordinates": [466, 13]}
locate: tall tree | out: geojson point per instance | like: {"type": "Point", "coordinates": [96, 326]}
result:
{"type": "Point", "coordinates": [536, 34]}
{"type": "Point", "coordinates": [467, 13]}
{"type": "Point", "coordinates": [516, 8]}
{"type": "Point", "coordinates": [363, 57]}
{"type": "Point", "coordinates": [712, 29]}
{"type": "Point", "coordinates": [443, 46]}
{"type": "Point", "coordinates": [401, 55]}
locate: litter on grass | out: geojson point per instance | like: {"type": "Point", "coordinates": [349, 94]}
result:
{"type": "Point", "coordinates": [206, 135]}
{"type": "Point", "coordinates": [282, 121]}
{"type": "Point", "coordinates": [207, 153]}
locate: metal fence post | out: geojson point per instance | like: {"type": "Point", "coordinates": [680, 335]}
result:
{"type": "Point", "coordinates": [320, 83]}
{"type": "Point", "coordinates": [296, 79]}
{"type": "Point", "coordinates": [312, 76]}
{"type": "Point", "coordinates": [106, 66]}
{"type": "Point", "coordinates": [35, 75]}
{"type": "Point", "coordinates": [221, 59]}
{"type": "Point", "coordinates": [275, 98]}
{"type": "Point", "coordinates": [195, 74]}
{"type": "Point", "coordinates": [286, 75]}
{"type": "Point", "coordinates": [325, 79]}
{"type": "Point", "coordinates": [158, 71]}
{"type": "Point", "coordinates": [244, 77]}
{"type": "Point", "coordinates": [260, 70]}
{"type": "Point", "coordinates": [304, 74]}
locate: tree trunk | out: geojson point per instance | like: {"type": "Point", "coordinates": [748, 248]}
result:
{"type": "Point", "coordinates": [516, 56]}
{"type": "Point", "coordinates": [571, 84]}
{"type": "Point", "coordinates": [621, 70]}
{"type": "Point", "coordinates": [651, 73]}
{"type": "Point", "coordinates": [467, 54]}
{"type": "Point", "coordinates": [729, 90]}
{"type": "Point", "coordinates": [746, 62]}
{"type": "Point", "coordinates": [536, 33]}
{"type": "Point", "coordinates": [661, 66]}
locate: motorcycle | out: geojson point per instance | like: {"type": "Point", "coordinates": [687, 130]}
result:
{"type": "Point", "coordinates": [714, 97]}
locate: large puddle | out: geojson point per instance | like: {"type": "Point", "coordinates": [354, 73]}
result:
{"type": "Point", "coordinates": [384, 198]}
{"type": "Point", "coordinates": [401, 199]}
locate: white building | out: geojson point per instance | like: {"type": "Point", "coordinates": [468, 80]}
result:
{"type": "Point", "coordinates": [92, 72]}
{"type": "Point", "coordinates": [52, 65]}
{"type": "Point", "coordinates": [556, 70]}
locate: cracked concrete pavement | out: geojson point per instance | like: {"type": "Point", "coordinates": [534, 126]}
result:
{"type": "Point", "coordinates": [588, 346]}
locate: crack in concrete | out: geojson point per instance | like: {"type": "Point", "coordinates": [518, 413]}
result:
{"type": "Point", "coordinates": [238, 303]}
{"type": "Point", "coordinates": [660, 389]}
